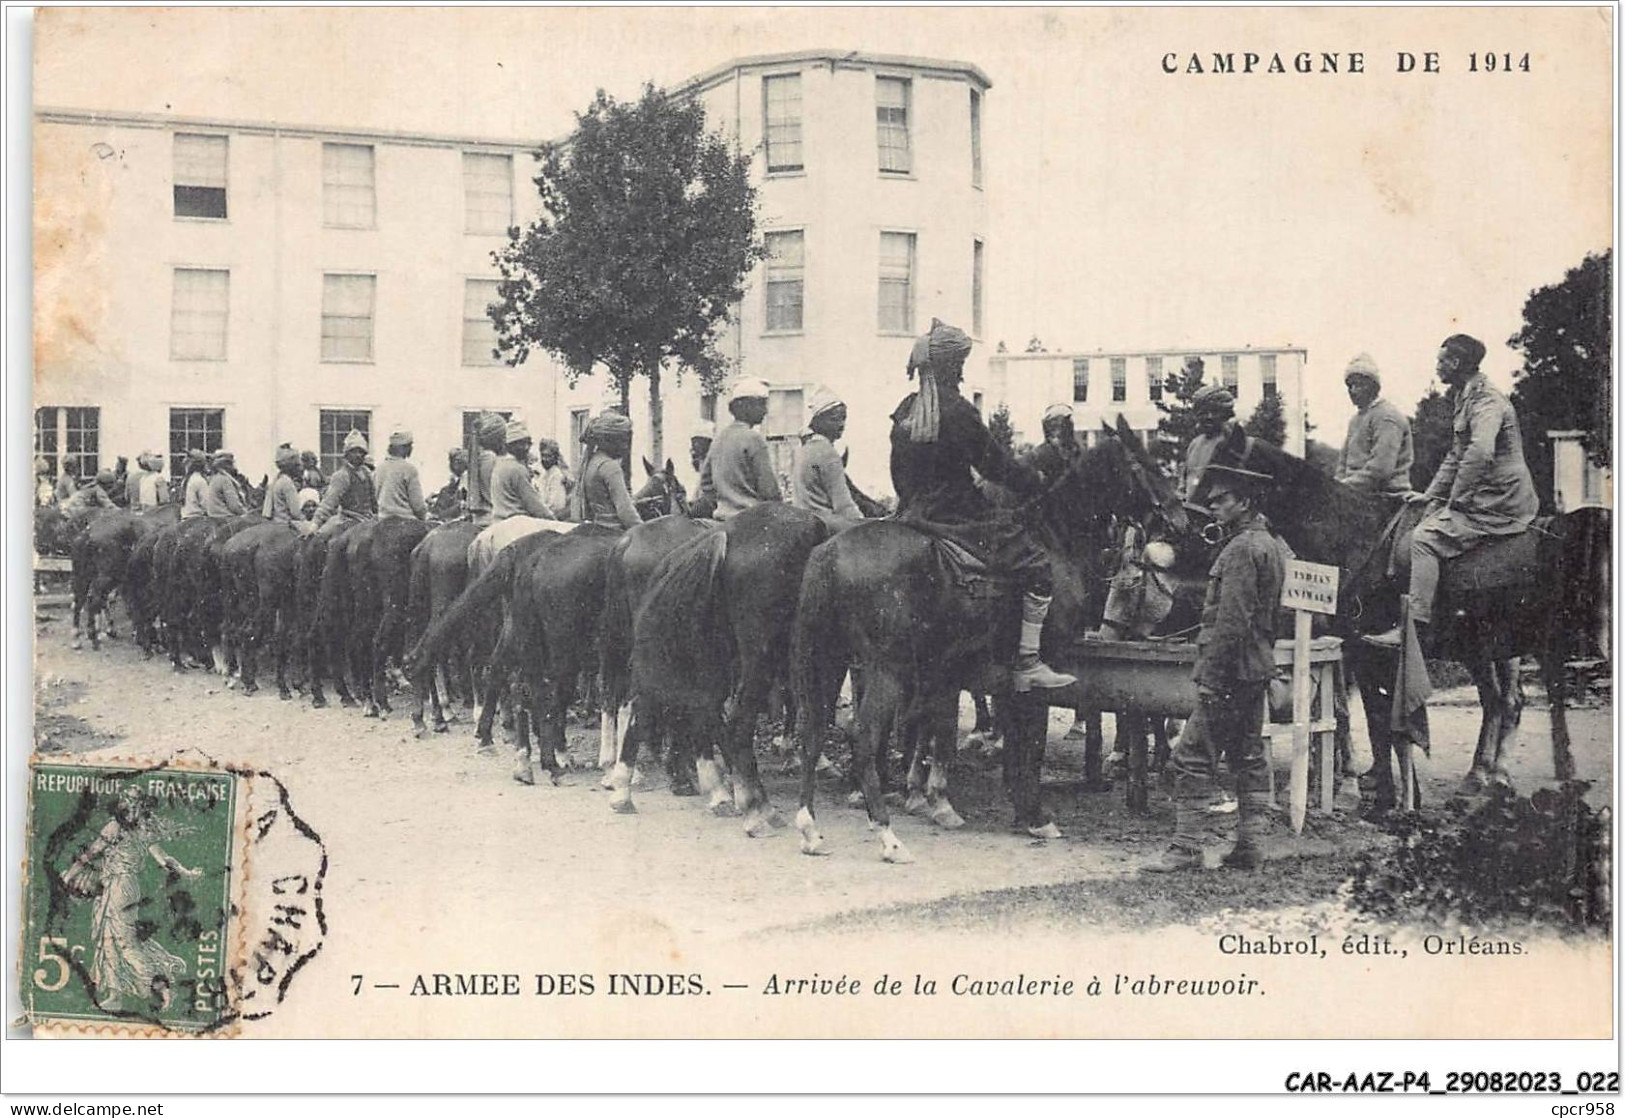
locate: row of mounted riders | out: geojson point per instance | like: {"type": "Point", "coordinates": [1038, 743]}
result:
{"type": "Point", "coordinates": [690, 624]}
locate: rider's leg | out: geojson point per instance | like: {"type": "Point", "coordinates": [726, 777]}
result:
{"type": "Point", "coordinates": [1029, 564]}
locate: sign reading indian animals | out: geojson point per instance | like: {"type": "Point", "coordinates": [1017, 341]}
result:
{"type": "Point", "coordinates": [1310, 586]}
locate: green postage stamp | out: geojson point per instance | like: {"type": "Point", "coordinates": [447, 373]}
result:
{"type": "Point", "coordinates": [130, 915]}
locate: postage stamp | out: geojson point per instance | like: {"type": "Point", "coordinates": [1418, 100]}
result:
{"type": "Point", "coordinates": [130, 911]}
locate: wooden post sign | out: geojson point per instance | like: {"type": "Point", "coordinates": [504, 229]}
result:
{"type": "Point", "coordinates": [1309, 588]}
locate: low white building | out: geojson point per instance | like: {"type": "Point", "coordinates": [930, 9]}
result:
{"type": "Point", "coordinates": [1102, 384]}
{"type": "Point", "coordinates": [1577, 481]}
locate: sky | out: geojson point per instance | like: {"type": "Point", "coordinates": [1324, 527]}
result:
{"type": "Point", "coordinates": [1129, 207]}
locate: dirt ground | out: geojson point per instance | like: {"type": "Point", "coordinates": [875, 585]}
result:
{"type": "Point", "coordinates": [433, 818]}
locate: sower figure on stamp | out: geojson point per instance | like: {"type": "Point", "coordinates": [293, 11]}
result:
{"type": "Point", "coordinates": [1235, 658]}
{"type": "Point", "coordinates": [1482, 489]}
{"type": "Point", "coordinates": [936, 439]}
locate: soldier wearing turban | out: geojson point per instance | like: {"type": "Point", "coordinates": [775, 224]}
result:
{"type": "Point", "coordinates": [937, 439]}
{"type": "Point", "coordinates": [820, 474]}
{"type": "Point", "coordinates": [400, 490]}
{"type": "Point", "coordinates": [490, 434]}
{"type": "Point", "coordinates": [282, 504]}
{"type": "Point", "coordinates": [197, 484]}
{"type": "Point", "coordinates": [512, 493]}
{"type": "Point", "coordinates": [1482, 489]}
{"type": "Point", "coordinates": [350, 489]}
{"type": "Point", "coordinates": [738, 472]}
{"type": "Point", "coordinates": [601, 496]}
{"type": "Point", "coordinates": [223, 499]}
{"type": "Point", "coordinates": [1214, 410]}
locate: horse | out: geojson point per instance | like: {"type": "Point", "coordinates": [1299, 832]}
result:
{"type": "Point", "coordinates": [258, 572]}
{"type": "Point", "coordinates": [714, 627]}
{"type": "Point", "coordinates": [438, 574]}
{"type": "Point", "coordinates": [101, 563]}
{"type": "Point", "coordinates": [320, 592]}
{"type": "Point", "coordinates": [381, 585]}
{"type": "Point", "coordinates": [1486, 630]}
{"type": "Point", "coordinates": [878, 596]}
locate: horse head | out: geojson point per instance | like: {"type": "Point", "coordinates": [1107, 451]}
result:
{"type": "Point", "coordinates": [662, 494]}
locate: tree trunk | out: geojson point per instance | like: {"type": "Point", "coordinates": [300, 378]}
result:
{"type": "Point", "coordinates": [657, 419]}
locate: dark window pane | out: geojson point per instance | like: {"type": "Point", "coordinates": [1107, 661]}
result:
{"type": "Point", "coordinates": [200, 201]}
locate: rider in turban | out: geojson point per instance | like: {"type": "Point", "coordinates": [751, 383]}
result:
{"type": "Point", "coordinates": [739, 473]}
{"type": "Point", "coordinates": [400, 490]}
{"type": "Point", "coordinates": [350, 489]}
{"type": "Point", "coordinates": [512, 493]}
{"type": "Point", "coordinates": [601, 496]}
{"type": "Point", "coordinates": [820, 474]}
{"type": "Point", "coordinates": [1214, 410]}
{"type": "Point", "coordinates": [282, 504]}
{"type": "Point", "coordinates": [937, 439]}
{"type": "Point", "coordinates": [197, 484]}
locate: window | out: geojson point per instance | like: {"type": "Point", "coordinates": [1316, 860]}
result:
{"type": "Point", "coordinates": [64, 436]}
{"type": "Point", "coordinates": [785, 271]}
{"type": "Point", "coordinates": [976, 137]}
{"type": "Point", "coordinates": [194, 429]}
{"type": "Point", "coordinates": [1590, 479]}
{"type": "Point", "coordinates": [891, 124]}
{"type": "Point", "coordinates": [1266, 367]}
{"type": "Point", "coordinates": [1228, 375]}
{"type": "Point", "coordinates": [198, 313]}
{"type": "Point", "coordinates": [1119, 379]}
{"type": "Point", "coordinates": [347, 317]}
{"type": "Point", "coordinates": [1080, 380]}
{"type": "Point", "coordinates": [472, 418]}
{"type": "Point", "coordinates": [487, 192]}
{"type": "Point", "coordinates": [897, 283]}
{"type": "Point", "coordinates": [200, 176]}
{"type": "Point", "coordinates": [479, 332]}
{"type": "Point", "coordinates": [334, 426]}
{"type": "Point", "coordinates": [976, 288]}
{"type": "Point", "coordinates": [348, 201]}
{"type": "Point", "coordinates": [1154, 377]}
{"type": "Point", "coordinates": [785, 410]}
{"type": "Point", "coordinates": [708, 407]}
{"type": "Point", "coordinates": [781, 122]}
{"type": "Point", "coordinates": [579, 418]}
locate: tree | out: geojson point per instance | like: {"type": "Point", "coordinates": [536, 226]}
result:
{"type": "Point", "coordinates": [1566, 380]}
{"type": "Point", "coordinates": [998, 425]}
{"type": "Point", "coordinates": [1035, 346]}
{"type": "Point", "coordinates": [1268, 422]}
{"type": "Point", "coordinates": [1178, 422]}
{"type": "Point", "coordinates": [1431, 432]}
{"type": "Point", "coordinates": [647, 233]}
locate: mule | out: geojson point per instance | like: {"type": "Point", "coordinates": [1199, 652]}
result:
{"type": "Point", "coordinates": [1547, 616]}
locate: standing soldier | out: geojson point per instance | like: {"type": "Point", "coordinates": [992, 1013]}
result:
{"type": "Point", "coordinates": [553, 480]}
{"type": "Point", "coordinates": [1377, 453]}
{"type": "Point", "coordinates": [738, 472]}
{"type": "Point", "coordinates": [282, 504]}
{"type": "Point", "coordinates": [310, 471]}
{"type": "Point", "coordinates": [1482, 489]}
{"type": "Point", "coordinates": [820, 474]}
{"type": "Point", "coordinates": [400, 492]}
{"type": "Point", "coordinates": [601, 494]}
{"type": "Point", "coordinates": [1235, 660]}
{"type": "Point", "coordinates": [223, 499]}
{"type": "Point", "coordinates": [512, 494]}
{"type": "Point", "coordinates": [1215, 413]}
{"type": "Point", "coordinates": [197, 484]}
{"type": "Point", "coordinates": [350, 489]}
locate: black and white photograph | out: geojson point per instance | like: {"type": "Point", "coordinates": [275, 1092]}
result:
{"type": "Point", "coordinates": [817, 523]}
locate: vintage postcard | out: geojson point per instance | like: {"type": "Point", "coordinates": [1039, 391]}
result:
{"type": "Point", "coordinates": [821, 523]}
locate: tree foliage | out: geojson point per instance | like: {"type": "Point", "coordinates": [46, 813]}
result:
{"type": "Point", "coordinates": [1430, 435]}
{"type": "Point", "coordinates": [1178, 422]}
{"type": "Point", "coordinates": [1268, 421]}
{"type": "Point", "coordinates": [999, 426]}
{"type": "Point", "coordinates": [647, 233]}
{"type": "Point", "coordinates": [1566, 383]}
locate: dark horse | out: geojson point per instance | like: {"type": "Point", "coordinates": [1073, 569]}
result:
{"type": "Point", "coordinates": [1547, 615]}
{"type": "Point", "coordinates": [878, 597]}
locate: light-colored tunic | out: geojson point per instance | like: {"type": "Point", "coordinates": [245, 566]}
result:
{"type": "Point", "coordinates": [512, 494]}
{"type": "Point", "coordinates": [738, 473]}
{"type": "Point", "coordinates": [821, 480]}
{"type": "Point", "coordinates": [604, 497]}
{"type": "Point", "coordinates": [222, 500]}
{"type": "Point", "coordinates": [282, 502]}
{"type": "Point", "coordinates": [1483, 477]}
{"type": "Point", "coordinates": [1377, 453]}
{"type": "Point", "coordinates": [350, 489]}
{"type": "Point", "coordinates": [400, 490]}
{"type": "Point", "coordinates": [553, 486]}
{"type": "Point", "coordinates": [197, 484]}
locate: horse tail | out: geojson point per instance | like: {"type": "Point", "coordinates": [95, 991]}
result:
{"type": "Point", "coordinates": [418, 590]}
{"type": "Point", "coordinates": [494, 585]}
{"type": "Point", "coordinates": [818, 658]}
{"type": "Point", "coordinates": [683, 642]}
{"type": "Point", "coordinates": [615, 635]}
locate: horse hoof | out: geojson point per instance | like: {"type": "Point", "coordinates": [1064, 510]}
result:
{"type": "Point", "coordinates": [441, 728]}
{"type": "Point", "coordinates": [762, 823]}
{"type": "Point", "coordinates": [684, 788]}
{"type": "Point", "coordinates": [892, 849]}
{"type": "Point", "coordinates": [76, 644]}
{"type": "Point", "coordinates": [1473, 783]}
{"type": "Point", "coordinates": [1047, 831]}
{"type": "Point", "coordinates": [318, 702]}
{"type": "Point", "coordinates": [346, 701]}
{"type": "Point", "coordinates": [484, 748]}
{"type": "Point", "coordinates": [523, 775]}
{"type": "Point", "coordinates": [421, 732]}
{"type": "Point", "coordinates": [285, 695]}
{"type": "Point", "coordinates": [946, 817]}
{"type": "Point", "coordinates": [915, 803]}
{"type": "Point", "coordinates": [371, 712]}
{"type": "Point", "coordinates": [723, 808]}
{"type": "Point", "coordinates": [621, 804]}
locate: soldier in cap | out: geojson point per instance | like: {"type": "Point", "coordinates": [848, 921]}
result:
{"type": "Point", "coordinates": [1060, 448]}
{"type": "Point", "coordinates": [1235, 660]}
{"type": "Point", "coordinates": [937, 438]}
{"type": "Point", "coordinates": [512, 493]}
{"type": "Point", "coordinates": [282, 504]}
{"type": "Point", "coordinates": [601, 496]}
{"type": "Point", "coordinates": [1214, 410]}
{"type": "Point", "coordinates": [223, 499]}
{"type": "Point", "coordinates": [197, 484]}
{"type": "Point", "coordinates": [1482, 489]}
{"type": "Point", "coordinates": [400, 491]}
{"type": "Point", "coordinates": [738, 472]}
{"type": "Point", "coordinates": [350, 489]}
{"type": "Point", "coordinates": [1377, 452]}
{"type": "Point", "coordinates": [820, 474]}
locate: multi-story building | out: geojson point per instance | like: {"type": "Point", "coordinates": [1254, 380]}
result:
{"type": "Point", "coordinates": [1577, 481]}
{"type": "Point", "coordinates": [201, 283]}
{"type": "Point", "coordinates": [1103, 384]}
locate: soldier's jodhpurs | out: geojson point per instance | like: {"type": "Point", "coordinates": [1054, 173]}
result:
{"type": "Point", "coordinates": [1227, 726]}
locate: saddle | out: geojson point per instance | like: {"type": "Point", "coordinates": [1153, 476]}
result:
{"type": "Point", "coordinates": [1504, 563]}
{"type": "Point", "coordinates": [968, 572]}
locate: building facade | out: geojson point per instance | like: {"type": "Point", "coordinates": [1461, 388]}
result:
{"type": "Point", "coordinates": [203, 283]}
{"type": "Point", "coordinates": [1577, 481]}
{"type": "Point", "coordinates": [1103, 384]}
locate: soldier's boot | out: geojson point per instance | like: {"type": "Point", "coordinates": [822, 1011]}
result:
{"type": "Point", "coordinates": [1031, 672]}
{"type": "Point", "coordinates": [1248, 853]}
{"type": "Point", "coordinates": [1185, 851]}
